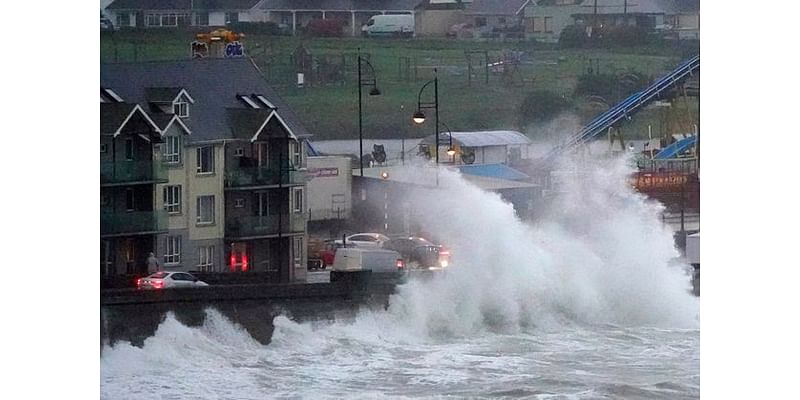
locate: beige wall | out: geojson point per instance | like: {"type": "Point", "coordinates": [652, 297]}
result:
{"type": "Point", "coordinates": [203, 185]}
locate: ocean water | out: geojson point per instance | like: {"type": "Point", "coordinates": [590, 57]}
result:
{"type": "Point", "coordinates": [589, 302]}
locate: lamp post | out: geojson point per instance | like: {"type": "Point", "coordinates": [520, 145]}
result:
{"type": "Point", "coordinates": [419, 116]}
{"type": "Point", "coordinates": [374, 92]}
{"type": "Point", "coordinates": [451, 151]}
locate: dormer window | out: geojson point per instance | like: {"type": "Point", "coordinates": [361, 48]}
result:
{"type": "Point", "coordinates": [181, 109]}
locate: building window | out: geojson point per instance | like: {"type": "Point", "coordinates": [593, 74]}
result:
{"type": "Point", "coordinates": [201, 19]}
{"type": "Point", "coordinates": [297, 157]}
{"type": "Point", "coordinates": [181, 109]}
{"type": "Point", "coordinates": [123, 19]}
{"type": "Point", "coordinates": [105, 200]}
{"type": "Point", "coordinates": [172, 199]}
{"type": "Point", "coordinates": [172, 150]}
{"type": "Point", "coordinates": [206, 258]}
{"type": "Point", "coordinates": [153, 20]}
{"type": "Point", "coordinates": [205, 160]}
{"type": "Point", "coordinates": [537, 24]}
{"type": "Point", "coordinates": [298, 252]}
{"type": "Point", "coordinates": [129, 149]}
{"type": "Point", "coordinates": [238, 203]}
{"type": "Point", "coordinates": [169, 20]}
{"type": "Point", "coordinates": [103, 148]}
{"type": "Point", "coordinates": [231, 18]}
{"type": "Point", "coordinates": [548, 24]}
{"type": "Point", "coordinates": [205, 209]}
{"type": "Point", "coordinates": [239, 152]}
{"type": "Point", "coordinates": [480, 21]}
{"type": "Point", "coordinates": [297, 200]}
{"type": "Point", "coordinates": [183, 19]}
{"type": "Point", "coordinates": [129, 200]}
{"type": "Point", "coordinates": [172, 250]}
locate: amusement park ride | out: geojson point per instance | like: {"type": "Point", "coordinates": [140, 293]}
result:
{"type": "Point", "coordinates": [670, 175]}
{"type": "Point", "coordinates": [219, 43]}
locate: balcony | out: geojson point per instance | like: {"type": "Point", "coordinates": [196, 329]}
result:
{"type": "Point", "coordinates": [240, 177]}
{"type": "Point", "coordinates": [263, 226]}
{"type": "Point", "coordinates": [134, 222]}
{"type": "Point", "coordinates": [132, 172]}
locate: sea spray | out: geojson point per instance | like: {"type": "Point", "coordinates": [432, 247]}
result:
{"type": "Point", "coordinates": [599, 255]}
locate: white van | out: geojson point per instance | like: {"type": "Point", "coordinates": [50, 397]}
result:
{"type": "Point", "coordinates": [389, 25]}
{"type": "Point", "coordinates": [375, 259]}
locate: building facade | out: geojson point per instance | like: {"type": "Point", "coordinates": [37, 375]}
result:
{"type": "Point", "coordinates": [232, 193]}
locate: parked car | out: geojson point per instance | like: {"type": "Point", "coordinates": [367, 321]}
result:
{"type": "Point", "coordinates": [366, 239]}
{"type": "Point", "coordinates": [168, 280]}
{"type": "Point", "coordinates": [419, 253]}
{"type": "Point", "coordinates": [389, 25]}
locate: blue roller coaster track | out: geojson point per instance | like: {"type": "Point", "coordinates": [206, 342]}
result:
{"type": "Point", "coordinates": [629, 106]}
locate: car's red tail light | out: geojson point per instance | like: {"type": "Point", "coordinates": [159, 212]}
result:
{"type": "Point", "coordinates": [400, 263]}
{"type": "Point", "coordinates": [158, 283]}
{"type": "Point", "coordinates": [139, 283]}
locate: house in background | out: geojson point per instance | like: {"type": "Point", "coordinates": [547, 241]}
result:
{"type": "Point", "coordinates": [292, 14]}
{"type": "Point", "coordinates": [545, 19]}
{"type": "Point", "coordinates": [182, 13]}
{"type": "Point", "coordinates": [497, 16]}
{"type": "Point", "coordinates": [437, 17]}
{"type": "Point", "coordinates": [234, 194]}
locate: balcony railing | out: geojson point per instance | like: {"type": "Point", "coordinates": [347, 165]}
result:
{"type": "Point", "coordinates": [132, 171]}
{"type": "Point", "coordinates": [269, 225]}
{"type": "Point", "coordinates": [262, 176]}
{"type": "Point", "coordinates": [115, 223]}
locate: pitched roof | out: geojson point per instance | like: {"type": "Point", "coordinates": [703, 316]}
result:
{"type": "Point", "coordinates": [341, 5]}
{"type": "Point", "coordinates": [496, 7]}
{"type": "Point", "coordinates": [114, 117]}
{"type": "Point", "coordinates": [212, 82]}
{"type": "Point", "coordinates": [481, 138]}
{"type": "Point", "coordinates": [640, 6]}
{"type": "Point", "coordinates": [182, 4]}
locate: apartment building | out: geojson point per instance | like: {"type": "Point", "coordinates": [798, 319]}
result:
{"type": "Point", "coordinates": [130, 170]}
{"type": "Point", "coordinates": [231, 150]}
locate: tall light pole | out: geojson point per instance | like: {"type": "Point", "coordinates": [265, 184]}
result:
{"type": "Point", "coordinates": [373, 92]}
{"type": "Point", "coordinates": [419, 116]}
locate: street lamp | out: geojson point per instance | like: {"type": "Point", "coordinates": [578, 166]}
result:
{"type": "Point", "coordinates": [451, 151]}
{"type": "Point", "coordinates": [419, 116]}
{"type": "Point", "coordinates": [373, 92]}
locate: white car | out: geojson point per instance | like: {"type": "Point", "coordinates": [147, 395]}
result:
{"type": "Point", "coordinates": [169, 279]}
{"type": "Point", "coordinates": [365, 239]}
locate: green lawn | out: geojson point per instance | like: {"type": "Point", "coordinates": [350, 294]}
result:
{"type": "Point", "coordinates": [329, 106]}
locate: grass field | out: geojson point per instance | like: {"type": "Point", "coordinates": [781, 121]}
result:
{"type": "Point", "coordinates": [329, 104]}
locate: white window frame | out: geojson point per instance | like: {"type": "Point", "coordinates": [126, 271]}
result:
{"type": "Point", "coordinates": [172, 199]}
{"type": "Point", "coordinates": [238, 152]}
{"type": "Point", "coordinates": [152, 19]}
{"type": "Point", "coordinates": [297, 155]}
{"type": "Point", "coordinates": [180, 108]}
{"type": "Point", "coordinates": [172, 149]}
{"type": "Point", "coordinates": [167, 18]}
{"type": "Point", "coordinates": [297, 249]}
{"type": "Point", "coordinates": [200, 201]}
{"type": "Point", "coordinates": [201, 17]}
{"type": "Point", "coordinates": [200, 159]}
{"type": "Point", "coordinates": [297, 204]}
{"type": "Point", "coordinates": [130, 194]}
{"type": "Point", "coordinates": [103, 148]}
{"type": "Point", "coordinates": [172, 250]}
{"type": "Point", "coordinates": [238, 202]}
{"type": "Point", "coordinates": [205, 258]}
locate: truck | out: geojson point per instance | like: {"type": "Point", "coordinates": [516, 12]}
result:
{"type": "Point", "coordinates": [400, 25]}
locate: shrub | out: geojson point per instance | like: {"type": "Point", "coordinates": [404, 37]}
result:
{"type": "Point", "coordinates": [541, 105]}
{"type": "Point", "coordinates": [624, 35]}
{"type": "Point", "coordinates": [573, 36]}
{"type": "Point", "coordinates": [325, 27]}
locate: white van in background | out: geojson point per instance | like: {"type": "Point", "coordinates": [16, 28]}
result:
{"type": "Point", "coordinates": [389, 25]}
{"type": "Point", "coordinates": [363, 258]}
